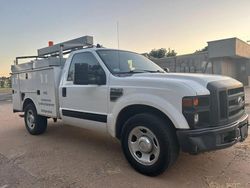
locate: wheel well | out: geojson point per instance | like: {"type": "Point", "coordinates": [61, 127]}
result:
{"type": "Point", "coordinates": [27, 102]}
{"type": "Point", "coordinates": [132, 110]}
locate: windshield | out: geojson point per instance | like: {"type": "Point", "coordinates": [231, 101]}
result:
{"type": "Point", "coordinates": [122, 62]}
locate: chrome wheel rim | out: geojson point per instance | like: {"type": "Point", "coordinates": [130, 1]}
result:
{"type": "Point", "coordinates": [143, 145]}
{"type": "Point", "coordinates": [30, 119]}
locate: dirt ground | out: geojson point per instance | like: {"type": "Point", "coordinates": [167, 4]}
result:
{"type": "Point", "coordinates": [66, 156]}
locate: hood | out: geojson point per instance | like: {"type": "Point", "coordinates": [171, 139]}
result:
{"type": "Point", "coordinates": [202, 79]}
{"type": "Point", "coordinates": [197, 82]}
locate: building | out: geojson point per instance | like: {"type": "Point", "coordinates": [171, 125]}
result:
{"type": "Point", "coordinates": [229, 57]}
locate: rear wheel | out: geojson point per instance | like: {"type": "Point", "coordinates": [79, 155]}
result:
{"type": "Point", "coordinates": [149, 144]}
{"type": "Point", "coordinates": [35, 124]}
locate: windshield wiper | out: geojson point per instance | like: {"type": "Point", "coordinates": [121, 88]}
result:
{"type": "Point", "coordinates": [157, 71]}
{"type": "Point", "coordinates": [140, 71]}
{"type": "Point", "coordinates": [132, 71]}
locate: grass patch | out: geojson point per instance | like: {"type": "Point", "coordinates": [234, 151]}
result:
{"type": "Point", "coordinates": [5, 90]}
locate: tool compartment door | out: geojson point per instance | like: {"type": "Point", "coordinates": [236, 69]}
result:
{"type": "Point", "coordinates": [47, 92]}
{"type": "Point", "coordinates": [16, 95]}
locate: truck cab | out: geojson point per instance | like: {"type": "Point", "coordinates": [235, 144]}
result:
{"type": "Point", "coordinates": [154, 114]}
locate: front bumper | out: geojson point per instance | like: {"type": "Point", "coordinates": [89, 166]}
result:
{"type": "Point", "coordinates": [199, 140]}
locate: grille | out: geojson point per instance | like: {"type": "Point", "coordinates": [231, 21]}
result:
{"type": "Point", "coordinates": [223, 104]}
{"type": "Point", "coordinates": [235, 91]}
{"type": "Point", "coordinates": [236, 101]}
{"type": "Point", "coordinates": [226, 103]}
{"type": "Point", "coordinates": [231, 103]}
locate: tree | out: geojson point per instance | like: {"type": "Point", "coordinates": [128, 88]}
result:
{"type": "Point", "coordinates": [1, 83]}
{"type": "Point", "coordinates": [9, 82]}
{"type": "Point", "coordinates": [158, 53]}
{"type": "Point", "coordinates": [171, 53]}
{"type": "Point", "coordinates": [5, 82]}
{"type": "Point", "coordinates": [202, 50]}
{"type": "Point", "coordinates": [162, 52]}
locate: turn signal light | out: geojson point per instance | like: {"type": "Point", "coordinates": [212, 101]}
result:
{"type": "Point", "coordinates": [195, 101]}
{"type": "Point", "coordinates": [190, 102]}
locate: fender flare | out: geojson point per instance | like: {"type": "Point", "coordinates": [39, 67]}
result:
{"type": "Point", "coordinates": [159, 103]}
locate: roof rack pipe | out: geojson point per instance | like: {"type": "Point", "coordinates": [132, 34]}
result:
{"type": "Point", "coordinates": [24, 57]}
{"type": "Point", "coordinates": [61, 54]}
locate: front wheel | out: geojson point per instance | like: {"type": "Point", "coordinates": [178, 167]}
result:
{"type": "Point", "coordinates": [149, 144]}
{"type": "Point", "coordinates": [35, 124]}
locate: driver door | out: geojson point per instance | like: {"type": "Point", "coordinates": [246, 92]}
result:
{"type": "Point", "coordinates": [84, 105]}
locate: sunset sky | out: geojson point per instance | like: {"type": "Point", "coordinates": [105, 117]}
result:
{"type": "Point", "coordinates": [183, 25]}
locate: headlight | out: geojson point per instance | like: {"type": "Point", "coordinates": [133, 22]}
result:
{"type": "Point", "coordinates": [196, 110]}
{"type": "Point", "coordinates": [196, 118]}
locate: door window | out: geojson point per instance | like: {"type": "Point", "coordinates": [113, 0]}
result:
{"type": "Point", "coordinates": [83, 58]}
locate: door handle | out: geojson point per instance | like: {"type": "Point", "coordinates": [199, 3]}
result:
{"type": "Point", "coordinates": [64, 92]}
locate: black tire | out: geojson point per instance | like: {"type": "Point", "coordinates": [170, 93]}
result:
{"type": "Point", "coordinates": [40, 122]}
{"type": "Point", "coordinates": [166, 136]}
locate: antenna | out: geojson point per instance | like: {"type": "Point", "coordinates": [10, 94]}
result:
{"type": "Point", "coordinates": [118, 37]}
{"type": "Point", "coordinates": [118, 45]}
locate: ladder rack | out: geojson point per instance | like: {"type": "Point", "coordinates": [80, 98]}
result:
{"type": "Point", "coordinates": [61, 48]}
{"type": "Point", "coordinates": [71, 45]}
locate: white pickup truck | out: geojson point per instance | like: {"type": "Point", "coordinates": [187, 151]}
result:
{"type": "Point", "coordinates": [154, 114]}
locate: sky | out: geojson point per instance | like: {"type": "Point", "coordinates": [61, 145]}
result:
{"type": "Point", "coordinates": [182, 25]}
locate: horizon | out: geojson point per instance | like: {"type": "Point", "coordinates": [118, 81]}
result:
{"type": "Point", "coordinates": [143, 25]}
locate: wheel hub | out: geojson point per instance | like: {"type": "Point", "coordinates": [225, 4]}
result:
{"type": "Point", "coordinates": [30, 119]}
{"type": "Point", "coordinates": [145, 145]}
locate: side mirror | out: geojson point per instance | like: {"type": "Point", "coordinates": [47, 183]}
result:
{"type": "Point", "coordinates": [81, 74]}
{"type": "Point", "coordinates": [166, 69]}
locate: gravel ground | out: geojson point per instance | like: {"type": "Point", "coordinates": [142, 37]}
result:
{"type": "Point", "coordinates": [67, 156]}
